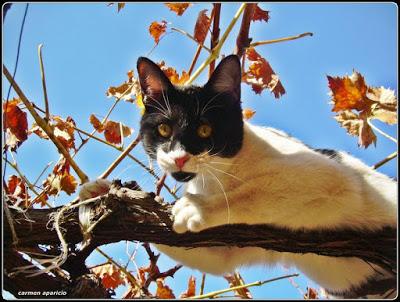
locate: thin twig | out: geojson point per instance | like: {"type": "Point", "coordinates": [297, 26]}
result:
{"type": "Point", "coordinates": [111, 168]}
{"type": "Point", "coordinates": [46, 100]}
{"type": "Point", "coordinates": [380, 131]}
{"type": "Point", "coordinates": [257, 283]}
{"type": "Point", "coordinates": [119, 148]}
{"type": "Point", "coordinates": [215, 34]}
{"type": "Point", "coordinates": [46, 128]}
{"type": "Point", "coordinates": [243, 41]}
{"type": "Point", "coordinates": [385, 160]}
{"type": "Point", "coordinates": [41, 173]}
{"type": "Point", "coordinates": [255, 44]}
{"type": "Point", "coordinates": [191, 37]}
{"type": "Point", "coordinates": [203, 282]}
{"type": "Point", "coordinates": [194, 61]}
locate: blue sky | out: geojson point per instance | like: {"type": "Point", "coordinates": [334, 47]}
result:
{"type": "Point", "coordinates": [89, 47]}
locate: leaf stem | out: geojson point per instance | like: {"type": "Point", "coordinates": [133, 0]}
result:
{"type": "Point", "coordinates": [46, 100]}
{"type": "Point", "coordinates": [191, 37]}
{"type": "Point", "coordinates": [380, 131]}
{"type": "Point", "coordinates": [385, 160]}
{"type": "Point", "coordinates": [255, 44]}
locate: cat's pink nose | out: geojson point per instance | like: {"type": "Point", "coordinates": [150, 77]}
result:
{"type": "Point", "coordinates": [180, 161]}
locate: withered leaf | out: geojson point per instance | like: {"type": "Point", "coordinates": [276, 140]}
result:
{"type": "Point", "coordinates": [110, 275]}
{"type": "Point", "coordinates": [112, 132]}
{"type": "Point", "coordinates": [121, 5]}
{"type": "Point", "coordinates": [384, 107]}
{"type": "Point", "coordinates": [260, 74]}
{"type": "Point", "coordinates": [16, 123]}
{"type": "Point", "coordinates": [16, 191]}
{"type": "Point", "coordinates": [64, 131]}
{"type": "Point", "coordinates": [202, 26]}
{"type": "Point", "coordinates": [163, 291]}
{"type": "Point", "coordinates": [248, 113]}
{"type": "Point", "coordinates": [60, 179]}
{"type": "Point", "coordinates": [173, 75]}
{"type": "Point", "coordinates": [127, 90]}
{"type": "Point", "coordinates": [157, 29]}
{"type": "Point", "coordinates": [96, 123]}
{"type": "Point", "coordinates": [237, 280]}
{"type": "Point", "coordinates": [260, 15]}
{"type": "Point", "coordinates": [38, 131]}
{"type": "Point", "coordinates": [191, 290]}
{"type": "Point", "coordinates": [178, 8]}
{"type": "Point", "coordinates": [311, 294]}
{"type": "Point", "coordinates": [349, 92]}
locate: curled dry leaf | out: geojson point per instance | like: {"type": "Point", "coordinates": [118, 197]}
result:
{"type": "Point", "coordinates": [178, 8]}
{"type": "Point", "coordinates": [128, 91]}
{"type": "Point", "coordinates": [64, 131]}
{"type": "Point", "coordinates": [157, 29]}
{"type": "Point", "coordinates": [112, 129]}
{"type": "Point", "coordinates": [260, 15]}
{"type": "Point", "coordinates": [173, 75]}
{"type": "Point", "coordinates": [191, 290]}
{"type": "Point", "coordinates": [248, 113]}
{"type": "Point", "coordinates": [357, 103]}
{"type": "Point", "coordinates": [60, 179]}
{"type": "Point", "coordinates": [110, 275]}
{"type": "Point", "coordinates": [16, 191]}
{"type": "Point", "coordinates": [311, 294]}
{"type": "Point", "coordinates": [16, 124]}
{"type": "Point", "coordinates": [202, 26]}
{"type": "Point", "coordinates": [260, 74]}
{"type": "Point", "coordinates": [237, 280]}
{"type": "Point", "coordinates": [163, 291]}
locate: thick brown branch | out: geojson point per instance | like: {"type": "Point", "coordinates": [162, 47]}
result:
{"type": "Point", "coordinates": [243, 40]}
{"type": "Point", "coordinates": [141, 216]}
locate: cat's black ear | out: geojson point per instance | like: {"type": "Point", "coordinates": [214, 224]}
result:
{"type": "Point", "coordinates": [227, 77]}
{"type": "Point", "coordinates": [152, 79]}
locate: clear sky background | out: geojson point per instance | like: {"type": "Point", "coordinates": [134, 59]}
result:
{"type": "Point", "coordinates": [89, 47]}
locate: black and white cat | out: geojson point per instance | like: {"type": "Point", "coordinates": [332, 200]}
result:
{"type": "Point", "coordinates": [236, 172]}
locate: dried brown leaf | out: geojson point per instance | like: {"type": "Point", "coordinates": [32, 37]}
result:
{"type": "Point", "coordinates": [157, 29]}
{"type": "Point", "coordinates": [191, 290]}
{"type": "Point", "coordinates": [16, 190]}
{"type": "Point", "coordinates": [260, 74]}
{"type": "Point", "coordinates": [384, 107]}
{"type": "Point", "coordinates": [202, 26]}
{"type": "Point", "coordinates": [16, 123]}
{"type": "Point", "coordinates": [163, 291]}
{"type": "Point", "coordinates": [60, 179]}
{"type": "Point", "coordinates": [173, 75]}
{"type": "Point", "coordinates": [248, 113]}
{"type": "Point", "coordinates": [260, 15]}
{"type": "Point", "coordinates": [178, 8]}
{"type": "Point", "coordinates": [110, 275]}
{"type": "Point", "coordinates": [112, 132]}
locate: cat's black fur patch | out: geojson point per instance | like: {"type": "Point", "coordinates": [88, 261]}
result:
{"type": "Point", "coordinates": [330, 153]}
{"type": "Point", "coordinates": [184, 109]}
{"type": "Point", "coordinates": [183, 176]}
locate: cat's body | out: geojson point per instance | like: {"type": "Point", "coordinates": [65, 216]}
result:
{"type": "Point", "coordinates": [240, 173]}
{"type": "Point", "coordinates": [287, 184]}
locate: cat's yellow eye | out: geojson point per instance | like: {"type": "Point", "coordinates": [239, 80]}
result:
{"type": "Point", "coordinates": [164, 130]}
{"type": "Point", "coordinates": [204, 131]}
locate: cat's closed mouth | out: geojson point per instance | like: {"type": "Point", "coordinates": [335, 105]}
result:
{"type": "Point", "coordinates": [183, 176]}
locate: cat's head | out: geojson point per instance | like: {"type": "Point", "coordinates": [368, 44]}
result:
{"type": "Point", "coordinates": [185, 127]}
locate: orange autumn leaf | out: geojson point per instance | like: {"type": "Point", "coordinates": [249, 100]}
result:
{"type": "Point", "coordinates": [60, 179]}
{"type": "Point", "coordinates": [38, 131]}
{"type": "Point", "coordinates": [163, 291]}
{"type": "Point", "coordinates": [237, 280]}
{"type": "Point", "coordinates": [96, 123]}
{"type": "Point", "coordinates": [157, 29]}
{"type": "Point", "coordinates": [110, 275]}
{"type": "Point", "coordinates": [311, 294]}
{"type": "Point", "coordinates": [64, 131]}
{"type": "Point", "coordinates": [260, 74]}
{"type": "Point", "coordinates": [127, 91]}
{"type": "Point", "coordinates": [348, 92]}
{"type": "Point", "coordinates": [178, 8]}
{"type": "Point", "coordinates": [248, 113]}
{"type": "Point", "coordinates": [16, 191]}
{"type": "Point", "coordinates": [260, 15]}
{"type": "Point", "coordinates": [16, 124]}
{"type": "Point", "coordinates": [191, 290]}
{"type": "Point", "coordinates": [202, 26]}
{"type": "Point", "coordinates": [173, 75]}
{"type": "Point", "coordinates": [112, 132]}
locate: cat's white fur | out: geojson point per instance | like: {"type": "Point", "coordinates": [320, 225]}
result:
{"type": "Point", "coordinates": [276, 179]}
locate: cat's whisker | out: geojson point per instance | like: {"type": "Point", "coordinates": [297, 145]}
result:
{"type": "Point", "coordinates": [204, 110]}
{"type": "Point", "coordinates": [226, 197]}
{"type": "Point", "coordinates": [166, 100]}
{"type": "Point", "coordinates": [229, 174]}
{"type": "Point", "coordinates": [164, 110]}
{"type": "Point", "coordinates": [221, 163]}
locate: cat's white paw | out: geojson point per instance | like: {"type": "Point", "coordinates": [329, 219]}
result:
{"type": "Point", "coordinates": [94, 188]}
{"type": "Point", "coordinates": [188, 215]}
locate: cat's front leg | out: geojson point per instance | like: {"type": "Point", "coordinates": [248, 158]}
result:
{"type": "Point", "coordinates": [191, 214]}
